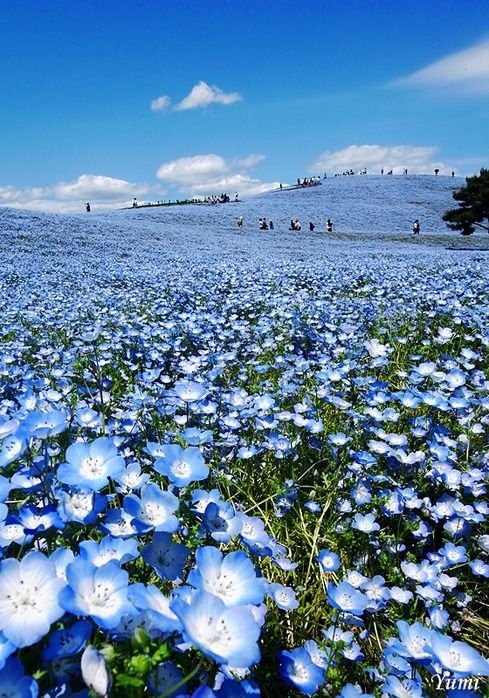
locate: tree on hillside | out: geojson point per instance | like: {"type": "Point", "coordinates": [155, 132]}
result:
{"type": "Point", "coordinates": [473, 207]}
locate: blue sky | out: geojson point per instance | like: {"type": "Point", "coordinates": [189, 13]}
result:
{"type": "Point", "coordinates": [104, 100]}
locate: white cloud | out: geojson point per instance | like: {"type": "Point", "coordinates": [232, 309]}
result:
{"type": "Point", "coordinates": [416, 159]}
{"type": "Point", "coordinates": [202, 94]}
{"type": "Point", "coordinates": [160, 103]}
{"type": "Point", "coordinates": [201, 175]}
{"type": "Point", "coordinates": [467, 70]}
{"type": "Point", "coordinates": [69, 197]}
{"type": "Point", "coordinates": [249, 161]}
{"type": "Point", "coordinates": [97, 187]}
{"type": "Point", "coordinates": [191, 170]}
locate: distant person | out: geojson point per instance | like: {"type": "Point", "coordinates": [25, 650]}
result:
{"type": "Point", "coordinates": [311, 227]}
{"type": "Point", "coordinates": [281, 185]}
{"type": "Point", "coordinates": [270, 224]}
{"type": "Point", "coordinates": [329, 225]}
{"type": "Point", "coordinates": [134, 203]}
{"type": "Point", "coordinates": [262, 223]}
{"type": "Point", "coordinates": [416, 227]}
{"type": "Point", "coordinates": [382, 171]}
{"type": "Point", "coordinates": [87, 206]}
{"type": "Point", "coordinates": [240, 222]}
{"type": "Point", "coordinates": [436, 171]}
{"type": "Point", "coordinates": [236, 197]}
{"type": "Point", "coordinates": [453, 173]}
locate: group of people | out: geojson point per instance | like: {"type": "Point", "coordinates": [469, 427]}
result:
{"type": "Point", "coordinates": [263, 225]}
{"type": "Point", "coordinates": [221, 199]}
{"type": "Point", "coordinates": [308, 181]}
{"type": "Point", "coordinates": [295, 224]}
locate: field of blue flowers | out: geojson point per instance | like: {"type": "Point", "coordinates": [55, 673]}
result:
{"type": "Point", "coordinates": [245, 463]}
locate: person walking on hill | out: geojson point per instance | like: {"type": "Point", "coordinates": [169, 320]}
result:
{"type": "Point", "coordinates": [240, 222]}
{"type": "Point", "coordinates": [416, 227]}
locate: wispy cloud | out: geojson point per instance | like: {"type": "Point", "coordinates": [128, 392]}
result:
{"type": "Point", "coordinates": [202, 95]}
{"type": "Point", "coordinates": [160, 103]}
{"type": "Point", "coordinates": [200, 175]}
{"type": "Point", "coordinates": [416, 159]}
{"type": "Point", "coordinates": [467, 70]}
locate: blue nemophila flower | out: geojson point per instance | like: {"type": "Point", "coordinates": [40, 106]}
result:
{"type": "Point", "coordinates": [119, 523]}
{"type": "Point", "coordinates": [328, 560]}
{"type": "Point", "coordinates": [228, 635]}
{"type": "Point", "coordinates": [221, 521]}
{"type": "Point", "coordinates": [346, 598]}
{"type": "Point", "coordinates": [453, 554]}
{"type": "Point", "coordinates": [320, 657]}
{"type": "Point", "coordinates": [284, 597]}
{"type": "Point", "coordinates": [182, 465]}
{"type": "Point", "coordinates": [68, 641]}
{"type": "Point", "coordinates": [189, 391]}
{"type": "Point", "coordinates": [29, 598]}
{"type": "Point", "coordinates": [81, 505]}
{"type": "Point", "coordinates": [414, 641]}
{"type": "Point", "coordinates": [439, 617]}
{"type": "Point", "coordinates": [395, 687]}
{"type": "Point", "coordinates": [13, 446]}
{"type": "Point", "coordinates": [403, 596]}
{"type": "Point", "coordinates": [298, 670]}
{"type": "Point", "coordinates": [166, 677]}
{"type": "Point", "coordinates": [108, 549]}
{"type": "Point", "coordinates": [41, 425]}
{"type": "Point", "coordinates": [312, 506]}
{"type": "Point", "coordinates": [155, 508]}
{"type": "Point", "coordinates": [91, 465]}
{"type": "Point", "coordinates": [166, 558]}
{"type": "Point", "coordinates": [14, 683]}
{"type": "Point", "coordinates": [131, 478]}
{"type": "Point", "coordinates": [156, 606]}
{"type": "Point", "coordinates": [95, 672]}
{"type": "Point", "coordinates": [253, 530]}
{"type": "Point", "coordinates": [479, 568]}
{"type": "Point", "coordinates": [232, 577]}
{"type": "Point", "coordinates": [376, 591]}
{"type": "Point", "coordinates": [365, 523]}
{"type": "Point", "coordinates": [35, 519]}
{"type": "Point", "coordinates": [86, 417]}
{"type": "Point", "coordinates": [459, 658]}
{"type": "Point", "coordinates": [197, 437]}
{"type": "Point", "coordinates": [99, 592]}
{"type": "Point", "coordinates": [375, 348]}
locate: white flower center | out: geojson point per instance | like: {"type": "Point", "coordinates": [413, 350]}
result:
{"type": "Point", "coordinates": [92, 467]}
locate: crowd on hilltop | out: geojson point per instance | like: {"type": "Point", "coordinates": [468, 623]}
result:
{"type": "Point", "coordinates": [220, 198]}
{"type": "Point", "coordinates": [347, 173]}
{"type": "Point", "coordinates": [308, 181]}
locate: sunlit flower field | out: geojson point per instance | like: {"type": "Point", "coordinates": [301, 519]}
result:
{"type": "Point", "coordinates": [243, 463]}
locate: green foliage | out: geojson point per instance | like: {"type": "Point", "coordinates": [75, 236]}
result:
{"type": "Point", "coordinates": [473, 206]}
